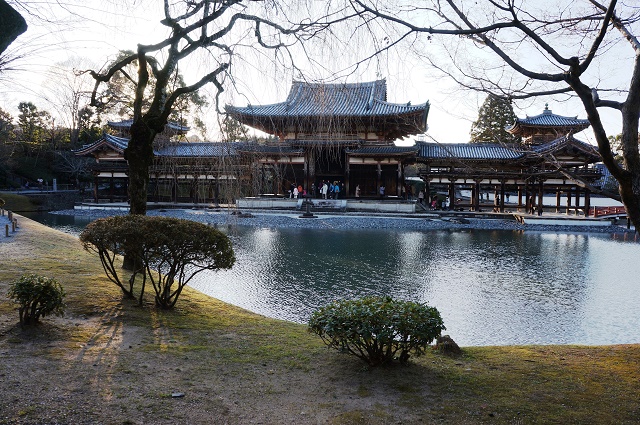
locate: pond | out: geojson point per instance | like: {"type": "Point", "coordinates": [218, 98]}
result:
{"type": "Point", "coordinates": [492, 287]}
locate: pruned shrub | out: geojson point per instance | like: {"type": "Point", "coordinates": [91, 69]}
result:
{"type": "Point", "coordinates": [37, 296]}
{"type": "Point", "coordinates": [377, 329]}
{"type": "Point", "coordinates": [175, 250]}
{"type": "Point", "coordinates": [168, 251]}
{"type": "Point", "coordinates": [111, 238]}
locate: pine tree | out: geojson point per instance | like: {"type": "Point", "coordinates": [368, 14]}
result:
{"type": "Point", "coordinates": [494, 115]}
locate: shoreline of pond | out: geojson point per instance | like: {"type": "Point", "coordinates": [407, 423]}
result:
{"type": "Point", "coordinates": [351, 221]}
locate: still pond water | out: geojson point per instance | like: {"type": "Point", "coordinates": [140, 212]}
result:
{"type": "Point", "coordinates": [491, 287]}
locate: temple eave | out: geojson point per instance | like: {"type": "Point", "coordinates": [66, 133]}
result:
{"type": "Point", "coordinates": [395, 125]}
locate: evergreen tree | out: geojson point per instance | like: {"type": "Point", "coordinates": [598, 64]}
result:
{"type": "Point", "coordinates": [233, 130]}
{"type": "Point", "coordinates": [33, 124]}
{"type": "Point", "coordinates": [6, 127]}
{"type": "Point", "coordinates": [494, 115]}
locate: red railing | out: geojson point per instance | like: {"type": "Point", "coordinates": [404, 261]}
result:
{"type": "Point", "coordinates": [604, 211]}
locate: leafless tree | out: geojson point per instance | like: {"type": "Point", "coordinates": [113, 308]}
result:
{"type": "Point", "coordinates": [215, 31]}
{"type": "Point", "coordinates": [68, 93]}
{"type": "Point", "coordinates": [528, 49]}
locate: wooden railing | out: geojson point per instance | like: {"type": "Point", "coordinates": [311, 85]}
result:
{"type": "Point", "coordinates": [605, 211]}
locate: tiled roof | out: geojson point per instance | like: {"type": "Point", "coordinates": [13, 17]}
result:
{"type": "Point", "coordinates": [384, 150]}
{"type": "Point", "coordinates": [549, 119]}
{"type": "Point", "coordinates": [325, 142]}
{"type": "Point", "coordinates": [181, 149]}
{"type": "Point", "coordinates": [286, 149]}
{"type": "Point", "coordinates": [566, 142]}
{"type": "Point", "coordinates": [328, 100]}
{"type": "Point", "coordinates": [201, 149]}
{"type": "Point", "coordinates": [471, 151]}
{"type": "Point", "coordinates": [127, 124]}
{"type": "Point", "coordinates": [118, 144]}
{"type": "Point", "coordinates": [490, 151]}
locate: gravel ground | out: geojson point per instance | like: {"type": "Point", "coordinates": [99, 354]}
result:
{"type": "Point", "coordinates": [351, 221]}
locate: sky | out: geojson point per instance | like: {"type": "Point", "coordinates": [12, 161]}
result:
{"type": "Point", "coordinates": [97, 31]}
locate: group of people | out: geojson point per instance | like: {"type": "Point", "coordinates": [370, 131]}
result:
{"type": "Point", "coordinates": [297, 191]}
{"type": "Point", "coordinates": [329, 190]}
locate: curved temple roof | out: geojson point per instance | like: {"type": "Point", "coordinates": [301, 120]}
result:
{"type": "Point", "coordinates": [547, 119]}
{"type": "Point", "coordinates": [174, 150]}
{"type": "Point", "coordinates": [488, 152]}
{"type": "Point", "coordinates": [126, 124]}
{"type": "Point", "coordinates": [316, 105]}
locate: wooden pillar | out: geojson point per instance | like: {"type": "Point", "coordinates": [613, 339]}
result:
{"type": "Point", "coordinates": [540, 197]}
{"type": "Point", "coordinates": [452, 195]}
{"type": "Point", "coordinates": [111, 187]}
{"type": "Point", "coordinates": [275, 179]}
{"type": "Point", "coordinates": [216, 193]}
{"type": "Point", "coordinates": [399, 180]}
{"type": "Point", "coordinates": [174, 190]}
{"type": "Point", "coordinates": [154, 194]}
{"type": "Point", "coordinates": [577, 199]}
{"type": "Point", "coordinates": [557, 200]}
{"type": "Point", "coordinates": [568, 200]}
{"type": "Point", "coordinates": [519, 197]}
{"type": "Point", "coordinates": [347, 181]}
{"type": "Point", "coordinates": [476, 196]}
{"type": "Point", "coordinates": [502, 193]}
{"type": "Point", "coordinates": [306, 183]}
{"type": "Point", "coordinates": [378, 178]}
{"type": "Point", "coordinates": [587, 202]}
{"type": "Point", "coordinates": [95, 189]}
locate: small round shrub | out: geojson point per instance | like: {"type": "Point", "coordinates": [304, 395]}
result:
{"type": "Point", "coordinates": [37, 296]}
{"type": "Point", "coordinates": [377, 329]}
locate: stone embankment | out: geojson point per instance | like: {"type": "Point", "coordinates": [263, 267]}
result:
{"type": "Point", "coordinates": [351, 221]}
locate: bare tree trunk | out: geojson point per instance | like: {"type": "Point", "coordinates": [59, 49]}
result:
{"type": "Point", "coordinates": [139, 156]}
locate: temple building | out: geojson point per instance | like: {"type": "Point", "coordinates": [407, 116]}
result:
{"type": "Point", "coordinates": [338, 133]}
{"type": "Point", "coordinates": [549, 160]}
{"type": "Point", "coordinates": [181, 171]}
{"type": "Point", "coordinates": [344, 134]}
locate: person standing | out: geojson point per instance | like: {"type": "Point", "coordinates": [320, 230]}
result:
{"type": "Point", "coordinates": [421, 197]}
{"type": "Point", "coordinates": [381, 191]}
{"type": "Point", "coordinates": [531, 204]}
{"type": "Point", "coordinates": [357, 191]}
